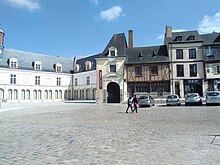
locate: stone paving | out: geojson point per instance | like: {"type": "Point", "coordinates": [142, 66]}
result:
{"type": "Point", "coordinates": [90, 134]}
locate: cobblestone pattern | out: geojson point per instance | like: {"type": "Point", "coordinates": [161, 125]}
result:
{"type": "Point", "coordinates": [89, 134]}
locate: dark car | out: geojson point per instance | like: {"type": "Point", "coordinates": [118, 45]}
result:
{"type": "Point", "coordinates": [146, 101]}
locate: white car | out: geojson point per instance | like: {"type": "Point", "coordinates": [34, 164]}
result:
{"type": "Point", "coordinates": [213, 97]}
{"type": "Point", "coordinates": [173, 100]}
{"type": "Point", "coordinates": [193, 99]}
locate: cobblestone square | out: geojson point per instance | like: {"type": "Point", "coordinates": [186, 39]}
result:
{"type": "Point", "coordinates": [90, 134]}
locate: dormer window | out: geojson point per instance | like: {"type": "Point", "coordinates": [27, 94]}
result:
{"type": "Point", "coordinates": [191, 38]}
{"type": "Point", "coordinates": [58, 67]}
{"type": "Point", "coordinates": [179, 38]}
{"type": "Point", "coordinates": [76, 67]}
{"type": "Point", "coordinates": [37, 65]}
{"type": "Point", "coordinates": [112, 51]}
{"type": "Point", "coordinates": [13, 63]}
{"type": "Point", "coordinates": [88, 65]}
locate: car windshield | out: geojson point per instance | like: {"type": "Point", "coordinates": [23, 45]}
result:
{"type": "Point", "coordinates": [213, 93]}
{"type": "Point", "coordinates": [143, 97]}
{"type": "Point", "coordinates": [172, 97]}
{"type": "Point", "coordinates": [193, 95]}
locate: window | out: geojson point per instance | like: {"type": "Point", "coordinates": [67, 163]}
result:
{"type": "Point", "coordinates": [76, 81]}
{"type": "Point", "coordinates": [180, 70]}
{"type": "Point", "coordinates": [58, 67]}
{"type": "Point", "coordinates": [112, 68]}
{"type": "Point", "coordinates": [112, 53]}
{"type": "Point", "coordinates": [138, 71]}
{"type": "Point", "coordinates": [13, 79]}
{"type": "Point", "coordinates": [37, 80]}
{"type": "Point", "coordinates": [58, 81]}
{"type": "Point", "coordinates": [179, 53]}
{"type": "Point", "coordinates": [88, 65]}
{"type": "Point", "coordinates": [13, 63]}
{"type": "Point", "coordinates": [190, 38]}
{"type": "Point", "coordinates": [154, 70]}
{"type": "Point", "coordinates": [76, 67]}
{"type": "Point", "coordinates": [192, 53]}
{"type": "Point", "coordinates": [178, 38]}
{"type": "Point", "coordinates": [37, 65]}
{"type": "Point", "coordinates": [193, 70]}
{"type": "Point", "coordinates": [87, 80]}
{"type": "Point", "coordinates": [218, 69]}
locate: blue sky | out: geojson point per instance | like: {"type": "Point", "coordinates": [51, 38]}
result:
{"type": "Point", "coordinates": [84, 27]}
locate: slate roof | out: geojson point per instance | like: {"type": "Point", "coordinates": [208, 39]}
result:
{"type": "Point", "coordinates": [26, 59]}
{"type": "Point", "coordinates": [118, 41]}
{"type": "Point", "coordinates": [211, 38]}
{"type": "Point", "coordinates": [152, 54]}
{"type": "Point", "coordinates": [185, 36]}
{"type": "Point", "coordinates": [81, 62]}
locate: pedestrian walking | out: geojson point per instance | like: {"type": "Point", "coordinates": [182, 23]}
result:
{"type": "Point", "coordinates": [135, 102]}
{"type": "Point", "coordinates": [129, 104]}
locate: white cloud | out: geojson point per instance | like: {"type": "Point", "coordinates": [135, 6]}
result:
{"type": "Point", "coordinates": [96, 2]}
{"type": "Point", "coordinates": [210, 24]}
{"type": "Point", "coordinates": [27, 4]}
{"type": "Point", "coordinates": [111, 14]}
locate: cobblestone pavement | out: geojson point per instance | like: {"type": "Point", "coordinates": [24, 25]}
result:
{"type": "Point", "coordinates": [90, 134]}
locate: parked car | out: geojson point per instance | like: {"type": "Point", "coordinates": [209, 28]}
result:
{"type": "Point", "coordinates": [213, 97]}
{"type": "Point", "coordinates": [173, 100]}
{"type": "Point", "coordinates": [146, 101]}
{"type": "Point", "coordinates": [193, 99]}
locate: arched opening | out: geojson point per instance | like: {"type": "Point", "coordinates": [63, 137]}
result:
{"type": "Point", "coordinates": [113, 90]}
{"type": "Point", "coordinates": [1, 94]}
{"type": "Point", "coordinates": [87, 94]}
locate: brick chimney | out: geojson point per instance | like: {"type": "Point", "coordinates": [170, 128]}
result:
{"type": "Point", "coordinates": [168, 31]}
{"type": "Point", "coordinates": [2, 34]}
{"type": "Point", "coordinates": [130, 39]}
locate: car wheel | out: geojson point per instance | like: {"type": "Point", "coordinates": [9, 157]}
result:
{"type": "Point", "coordinates": [186, 104]}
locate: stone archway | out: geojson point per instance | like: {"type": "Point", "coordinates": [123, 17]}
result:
{"type": "Point", "coordinates": [113, 90]}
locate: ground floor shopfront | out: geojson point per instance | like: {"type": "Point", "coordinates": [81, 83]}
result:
{"type": "Point", "coordinates": [183, 87]}
{"type": "Point", "coordinates": [213, 85]}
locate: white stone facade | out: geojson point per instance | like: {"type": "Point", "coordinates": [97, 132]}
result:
{"type": "Point", "coordinates": [21, 87]}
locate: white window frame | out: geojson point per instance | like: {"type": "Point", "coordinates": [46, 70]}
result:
{"type": "Point", "coordinates": [37, 80]}
{"type": "Point", "coordinates": [58, 81]}
{"type": "Point", "coordinates": [88, 65]}
{"type": "Point", "coordinates": [37, 65]}
{"type": "Point", "coordinates": [13, 63]}
{"type": "Point", "coordinates": [58, 67]}
{"type": "Point", "coordinates": [111, 49]}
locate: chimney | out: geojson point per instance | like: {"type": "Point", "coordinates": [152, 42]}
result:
{"type": "Point", "coordinates": [130, 39]}
{"type": "Point", "coordinates": [2, 34]}
{"type": "Point", "coordinates": [168, 31]}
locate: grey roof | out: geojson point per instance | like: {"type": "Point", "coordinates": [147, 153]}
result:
{"type": "Point", "coordinates": [81, 62]}
{"type": "Point", "coordinates": [118, 41]}
{"type": "Point", "coordinates": [26, 59]}
{"type": "Point", "coordinates": [211, 38]}
{"type": "Point", "coordinates": [152, 54]}
{"type": "Point", "coordinates": [185, 36]}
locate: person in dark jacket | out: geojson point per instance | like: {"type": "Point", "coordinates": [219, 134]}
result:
{"type": "Point", "coordinates": [129, 104]}
{"type": "Point", "coordinates": [135, 102]}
